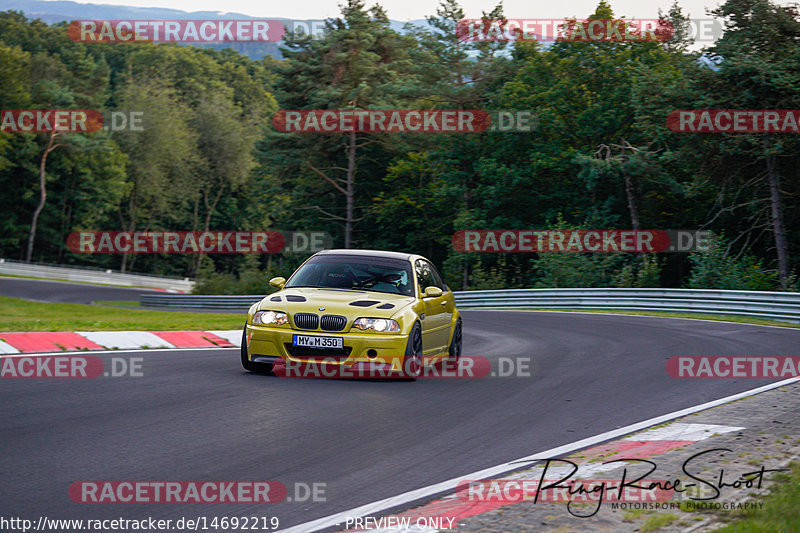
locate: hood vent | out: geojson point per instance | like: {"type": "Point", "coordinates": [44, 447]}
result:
{"type": "Point", "coordinates": [385, 306]}
{"type": "Point", "coordinates": [275, 299]}
{"type": "Point", "coordinates": [364, 303]}
{"type": "Point", "coordinates": [295, 298]}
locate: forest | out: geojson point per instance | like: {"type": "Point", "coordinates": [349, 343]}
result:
{"type": "Point", "coordinates": [600, 154]}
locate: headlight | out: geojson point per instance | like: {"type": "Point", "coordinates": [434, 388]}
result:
{"type": "Point", "coordinates": [377, 324]}
{"type": "Point", "coordinates": [270, 317]}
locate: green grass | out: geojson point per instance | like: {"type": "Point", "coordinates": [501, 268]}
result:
{"type": "Point", "coordinates": [655, 523]}
{"type": "Point", "coordinates": [119, 303]}
{"type": "Point", "coordinates": [17, 314]}
{"type": "Point", "coordinates": [668, 314]}
{"type": "Point", "coordinates": [781, 511]}
{"type": "Point", "coordinates": [632, 514]}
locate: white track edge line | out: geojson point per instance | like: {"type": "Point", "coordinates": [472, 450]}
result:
{"type": "Point", "coordinates": [600, 312]}
{"type": "Point", "coordinates": [450, 484]}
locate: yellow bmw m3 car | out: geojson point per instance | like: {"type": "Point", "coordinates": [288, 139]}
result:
{"type": "Point", "coordinates": [355, 312]}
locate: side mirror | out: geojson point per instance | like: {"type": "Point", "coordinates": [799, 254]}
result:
{"type": "Point", "coordinates": [433, 292]}
{"type": "Point", "coordinates": [278, 283]}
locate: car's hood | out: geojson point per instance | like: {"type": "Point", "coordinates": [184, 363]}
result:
{"type": "Point", "coordinates": [349, 303]}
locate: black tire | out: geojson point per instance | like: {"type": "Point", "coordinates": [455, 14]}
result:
{"type": "Point", "coordinates": [412, 362]}
{"type": "Point", "coordinates": [456, 342]}
{"type": "Point", "coordinates": [259, 368]}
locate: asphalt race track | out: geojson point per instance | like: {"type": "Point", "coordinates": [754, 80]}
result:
{"type": "Point", "coordinates": [61, 291]}
{"type": "Point", "coordinates": [196, 415]}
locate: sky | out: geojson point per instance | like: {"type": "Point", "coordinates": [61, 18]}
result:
{"type": "Point", "coordinates": [404, 10]}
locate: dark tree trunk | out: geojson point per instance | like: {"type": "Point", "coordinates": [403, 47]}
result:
{"type": "Point", "coordinates": [776, 217]}
{"type": "Point", "coordinates": [42, 195]}
{"type": "Point", "coordinates": [351, 178]}
{"type": "Point", "coordinates": [634, 211]}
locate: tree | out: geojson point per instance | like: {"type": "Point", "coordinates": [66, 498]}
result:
{"type": "Point", "coordinates": [747, 178]}
{"type": "Point", "coordinates": [51, 145]}
{"type": "Point", "coordinates": [761, 70]}
{"type": "Point", "coordinates": [61, 75]}
{"type": "Point", "coordinates": [225, 142]}
{"type": "Point", "coordinates": [454, 73]}
{"type": "Point", "coordinates": [160, 158]}
{"type": "Point", "coordinates": [361, 63]}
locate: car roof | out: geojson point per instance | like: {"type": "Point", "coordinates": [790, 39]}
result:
{"type": "Point", "coordinates": [369, 253]}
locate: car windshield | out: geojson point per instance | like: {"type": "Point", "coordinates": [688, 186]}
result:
{"type": "Point", "coordinates": [377, 274]}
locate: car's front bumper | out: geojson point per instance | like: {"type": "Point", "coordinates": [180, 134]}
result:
{"type": "Point", "coordinates": [376, 348]}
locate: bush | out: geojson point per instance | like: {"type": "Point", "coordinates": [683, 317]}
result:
{"type": "Point", "coordinates": [253, 278]}
{"type": "Point", "coordinates": [485, 277]}
{"type": "Point", "coordinates": [640, 274]}
{"type": "Point", "coordinates": [579, 270]}
{"type": "Point", "coordinates": [717, 268]}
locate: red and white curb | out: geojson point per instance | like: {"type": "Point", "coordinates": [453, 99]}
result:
{"type": "Point", "coordinates": [78, 341]}
{"type": "Point", "coordinates": [172, 291]}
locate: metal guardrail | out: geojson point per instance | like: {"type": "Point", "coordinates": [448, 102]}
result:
{"type": "Point", "coordinates": [773, 305]}
{"type": "Point", "coordinates": [182, 301]}
{"type": "Point", "coordinates": [90, 275]}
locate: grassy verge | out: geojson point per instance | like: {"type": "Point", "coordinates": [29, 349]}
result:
{"type": "Point", "coordinates": [17, 314]}
{"type": "Point", "coordinates": [781, 511]}
{"type": "Point", "coordinates": [668, 314]}
{"type": "Point", "coordinates": [118, 303]}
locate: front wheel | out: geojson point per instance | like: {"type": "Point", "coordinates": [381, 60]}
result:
{"type": "Point", "coordinates": [412, 363]}
{"type": "Point", "coordinates": [455, 343]}
{"type": "Point", "coordinates": [260, 368]}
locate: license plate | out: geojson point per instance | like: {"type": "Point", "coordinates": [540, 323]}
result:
{"type": "Point", "coordinates": [313, 341]}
